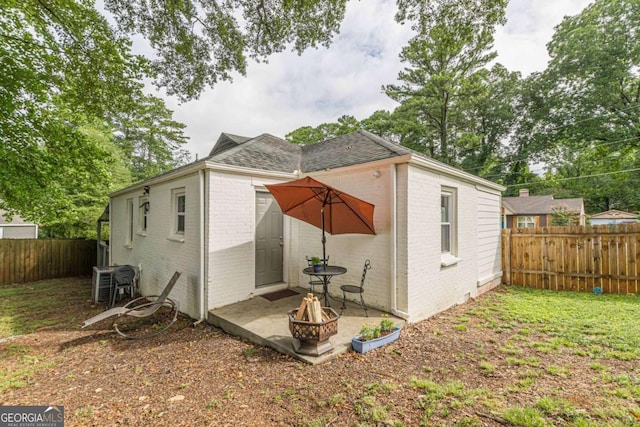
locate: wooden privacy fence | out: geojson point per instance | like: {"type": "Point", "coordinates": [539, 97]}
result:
{"type": "Point", "coordinates": [26, 260]}
{"type": "Point", "coordinates": [578, 258]}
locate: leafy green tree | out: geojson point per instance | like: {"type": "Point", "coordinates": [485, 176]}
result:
{"type": "Point", "coordinates": [561, 216]}
{"type": "Point", "coordinates": [64, 71]}
{"type": "Point", "coordinates": [307, 135]}
{"type": "Point", "coordinates": [150, 139]}
{"type": "Point", "coordinates": [381, 123]}
{"type": "Point", "coordinates": [453, 44]}
{"type": "Point", "coordinates": [583, 119]}
{"type": "Point", "coordinates": [199, 43]}
{"type": "Point", "coordinates": [488, 122]}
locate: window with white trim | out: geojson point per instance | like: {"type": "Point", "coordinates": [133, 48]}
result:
{"type": "Point", "coordinates": [449, 227]}
{"type": "Point", "coordinates": [179, 211]}
{"type": "Point", "coordinates": [129, 238]}
{"type": "Point", "coordinates": [526, 221]}
{"type": "Point", "coordinates": [446, 221]}
{"type": "Point", "coordinates": [143, 211]}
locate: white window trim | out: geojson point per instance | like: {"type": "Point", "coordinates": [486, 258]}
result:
{"type": "Point", "coordinates": [143, 212]}
{"type": "Point", "coordinates": [527, 219]}
{"type": "Point", "coordinates": [175, 235]}
{"type": "Point", "coordinates": [449, 258]}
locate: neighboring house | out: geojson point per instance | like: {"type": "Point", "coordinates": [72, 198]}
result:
{"type": "Point", "coordinates": [16, 228]}
{"type": "Point", "coordinates": [613, 216]}
{"type": "Point", "coordinates": [438, 228]}
{"type": "Point", "coordinates": [535, 211]}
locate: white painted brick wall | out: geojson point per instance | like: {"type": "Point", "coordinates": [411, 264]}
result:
{"type": "Point", "coordinates": [158, 255]}
{"type": "Point", "coordinates": [351, 250]}
{"type": "Point", "coordinates": [231, 244]}
{"type": "Point", "coordinates": [231, 238]}
{"type": "Point", "coordinates": [433, 288]}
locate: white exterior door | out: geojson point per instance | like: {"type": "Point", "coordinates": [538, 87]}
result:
{"type": "Point", "coordinates": [268, 240]}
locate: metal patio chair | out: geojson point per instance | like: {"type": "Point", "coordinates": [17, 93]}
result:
{"type": "Point", "coordinates": [353, 289]}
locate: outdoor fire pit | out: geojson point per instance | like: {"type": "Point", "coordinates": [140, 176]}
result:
{"type": "Point", "coordinates": [312, 338]}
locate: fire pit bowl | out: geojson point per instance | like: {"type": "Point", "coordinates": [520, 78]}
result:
{"type": "Point", "coordinates": [312, 338]}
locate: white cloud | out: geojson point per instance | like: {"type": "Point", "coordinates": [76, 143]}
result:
{"type": "Point", "coordinates": [522, 42]}
{"type": "Point", "coordinates": [321, 85]}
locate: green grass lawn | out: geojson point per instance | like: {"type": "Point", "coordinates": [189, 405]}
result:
{"type": "Point", "coordinates": [605, 326]}
{"type": "Point", "coordinates": [60, 303]}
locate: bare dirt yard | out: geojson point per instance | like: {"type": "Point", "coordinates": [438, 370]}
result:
{"type": "Point", "coordinates": [512, 357]}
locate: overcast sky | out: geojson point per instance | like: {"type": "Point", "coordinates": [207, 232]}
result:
{"type": "Point", "coordinates": [321, 85]}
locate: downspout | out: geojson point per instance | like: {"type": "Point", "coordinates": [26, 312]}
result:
{"type": "Point", "coordinates": [201, 233]}
{"type": "Point", "coordinates": [394, 245]}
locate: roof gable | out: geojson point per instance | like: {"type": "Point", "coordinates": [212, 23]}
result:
{"type": "Point", "coordinates": [227, 141]}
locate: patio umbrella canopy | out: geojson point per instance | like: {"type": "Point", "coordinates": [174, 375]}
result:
{"type": "Point", "coordinates": [325, 207]}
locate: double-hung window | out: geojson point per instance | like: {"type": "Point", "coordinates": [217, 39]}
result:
{"type": "Point", "coordinates": [179, 204]}
{"type": "Point", "coordinates": [448, 227]}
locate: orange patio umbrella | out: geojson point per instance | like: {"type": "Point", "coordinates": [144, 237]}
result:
{"type": "Point", "coordinates": [325, 207]}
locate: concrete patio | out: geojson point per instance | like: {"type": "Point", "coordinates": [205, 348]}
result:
{"type": "Point", "coordinates": [266, 323]}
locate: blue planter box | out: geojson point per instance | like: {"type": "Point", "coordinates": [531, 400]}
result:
{"type": "Point", "coordinates": [364, 346]}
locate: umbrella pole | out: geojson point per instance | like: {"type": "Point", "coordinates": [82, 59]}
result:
{"type": "Point", "coordinates": [324, 240]}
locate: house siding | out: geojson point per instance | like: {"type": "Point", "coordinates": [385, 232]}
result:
{"type": "Point", "coordinates": [8, 231]}
{"type": "Point", "coordinates": [489, 238]}
{"type": "Point", "coordinates": [157, 254]}
{"type": "Point", "coordinates": [432, 287]}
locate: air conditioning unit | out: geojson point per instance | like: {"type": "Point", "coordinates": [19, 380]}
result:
{"type": "Point", "coordinates": [101, 284]}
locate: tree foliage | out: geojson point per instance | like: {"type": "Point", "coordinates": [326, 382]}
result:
{"type": "Point", "coordinates": [307, 135]}
{"type": "Point", "coordinates": [199, 43]}
{"type": "Point", "coordinates": [68, 83]}
{"type": "Point", "coordinates": [584, 118]}
{"type": "Point", "coordinates": [445, 62]}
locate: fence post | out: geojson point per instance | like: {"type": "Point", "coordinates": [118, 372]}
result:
{"type": "Point", "coordinates": [506, 256]}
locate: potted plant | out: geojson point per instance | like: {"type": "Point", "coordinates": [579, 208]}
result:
{"type": "Point", "coordinates": [317, 263]}
{"type": "Point", "coordinates": [374, 336]}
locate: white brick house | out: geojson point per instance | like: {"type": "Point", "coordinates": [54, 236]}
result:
{"type": "Point", "coordinates": [210, 219]}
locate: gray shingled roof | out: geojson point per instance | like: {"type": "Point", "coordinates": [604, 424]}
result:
{"type": "Point", "coordinates": [227, 141]}
{"type": "Point", "coordinates": [346, 150]}
{"type": "Point", "coordinates": [266, 152]}
{"type": "Point", "coordinates": [615, 214]}
{"type": "Point", "coordinates": [540, 205]}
